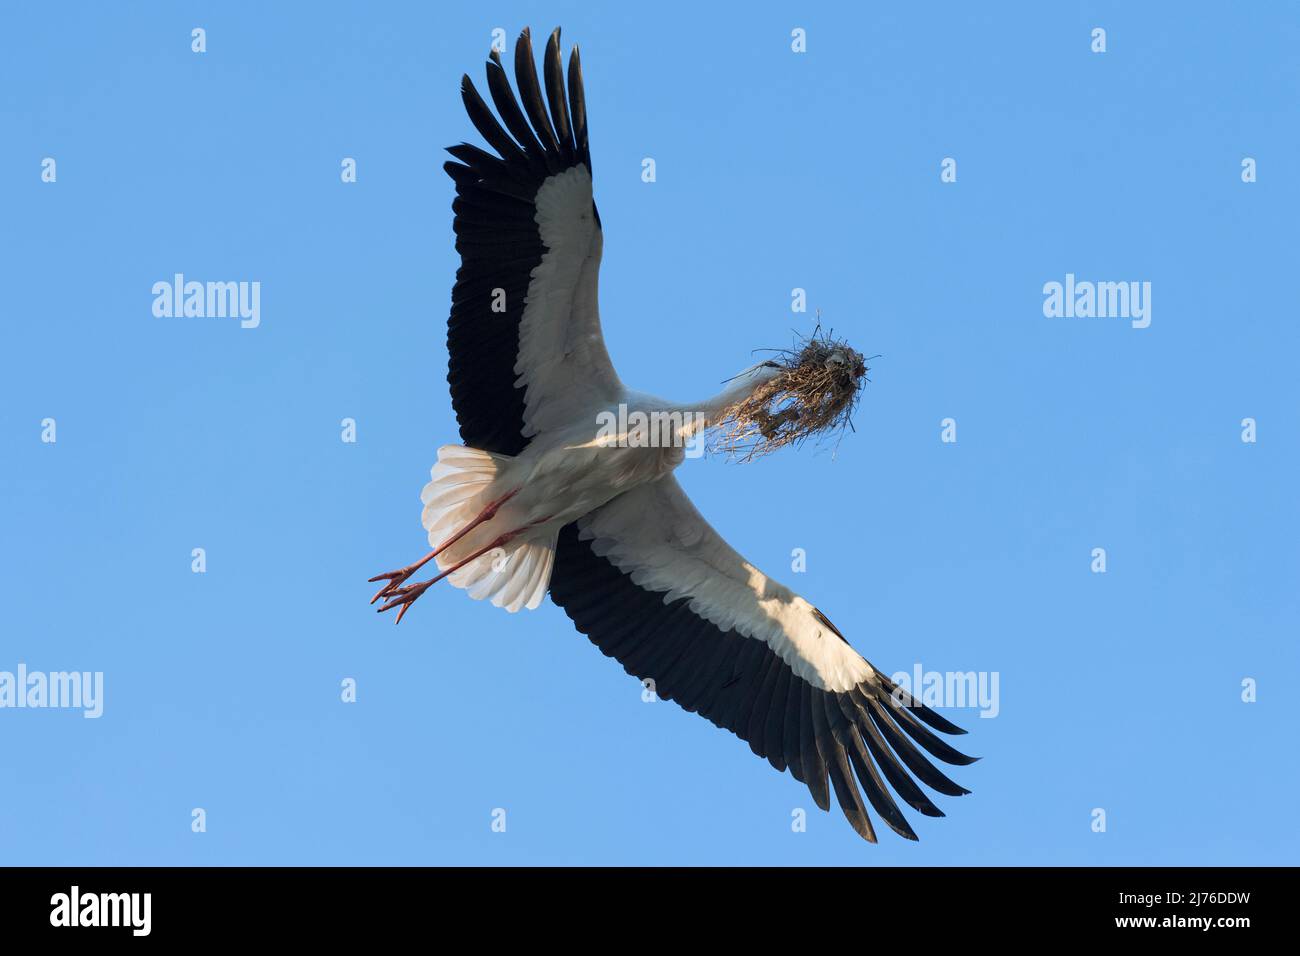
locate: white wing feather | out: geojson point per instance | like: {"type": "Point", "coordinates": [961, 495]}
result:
{"type": "Point", "coordinates": [562, 363]}
{"type": "Point", "coordinates": [654, 534]}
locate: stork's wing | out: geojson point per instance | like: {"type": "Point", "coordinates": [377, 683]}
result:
{"type": "Point", "coordinates": [524, 334]}
{"type": "Point", "coordinates": [653, 585]}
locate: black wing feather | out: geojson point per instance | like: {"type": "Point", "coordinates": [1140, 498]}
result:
{"type": "Point", "coordinates": [833, 738]}
{"type": "Point", "coordinates": [814, 763]}
{"type": "Point", "coordinates": [530, 93]}
{"type": "Point", "coordinates": [828, 741]}
{"type": "Point", "coordinates": [508, 107]}
{"type": "Point", "coordinates": [498, 238]}
{"type": "Point", "coordinates": [553, 70]}
{"type": "Point", "coordinates": [578, 107]}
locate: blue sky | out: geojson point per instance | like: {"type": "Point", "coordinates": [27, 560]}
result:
{"type": "Point", "coordinates": [775, 170]}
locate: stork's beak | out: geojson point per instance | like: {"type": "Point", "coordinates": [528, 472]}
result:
{"type": "Point", "coordinates": [754, 371]}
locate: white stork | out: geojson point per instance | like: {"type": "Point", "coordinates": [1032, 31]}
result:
{"type": "Point", "coordinates": [534, 501]}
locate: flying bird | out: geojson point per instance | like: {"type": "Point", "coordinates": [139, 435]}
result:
{"type": "Point", "coordinates": [545, 495]}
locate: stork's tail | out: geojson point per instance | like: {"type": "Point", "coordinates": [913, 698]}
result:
{"type": "Point", "coordinates": [458, 488]}
{"type": "Point", "coordinates": [514, 574]}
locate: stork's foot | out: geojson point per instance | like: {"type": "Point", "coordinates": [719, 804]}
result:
{"type": "Point", "coordinates": [399, 577]}
{"type": "Point", "coordinates": [405, 597]}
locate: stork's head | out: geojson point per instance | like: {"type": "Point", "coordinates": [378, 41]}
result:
{"type": "Point", "coordinates": [808, 390]}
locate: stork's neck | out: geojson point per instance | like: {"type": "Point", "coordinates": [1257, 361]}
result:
{"type": "Point", "coordinates": [702, 415]}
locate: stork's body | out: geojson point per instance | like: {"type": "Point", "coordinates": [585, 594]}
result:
{"type": "Point", "coordinates": [493, 520]}
{"type": "Point", "coordinates": [545, 496]}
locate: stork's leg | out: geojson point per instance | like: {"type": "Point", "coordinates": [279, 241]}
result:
{"type": "Point", "coordinates": [395, 578]}
{"type": "Point", "coordinates": [404, 597]}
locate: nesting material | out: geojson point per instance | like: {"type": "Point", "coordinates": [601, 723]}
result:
{"type": "Point", "coordinates": [815, 394]}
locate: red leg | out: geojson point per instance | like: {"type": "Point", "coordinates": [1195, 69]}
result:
{"type": "Point", "coordinates": [395, 578]}
{"type": "Point", "coordinates": [404, 597]}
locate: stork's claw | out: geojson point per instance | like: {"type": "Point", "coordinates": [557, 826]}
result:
{"type": "Point", "coordinates": [404, 598]}
{"type": "Point", "coordinates": [404, 595]}
{"type": "Point", "coordinates": [397, 578]}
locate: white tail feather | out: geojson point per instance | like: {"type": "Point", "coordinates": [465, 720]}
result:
{"type": "Point", "coordinates": [454, 494]}
{"type": "Point", "coordinates": [513, 577]}
{"type": "Point", "coordinates": [460, 486]}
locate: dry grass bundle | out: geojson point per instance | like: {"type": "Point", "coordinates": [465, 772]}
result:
{"type": "Point", "coordinates": [816, 392]}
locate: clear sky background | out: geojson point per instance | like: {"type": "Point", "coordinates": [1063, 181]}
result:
{"type": "Point", "coordinates": [776, 170]}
